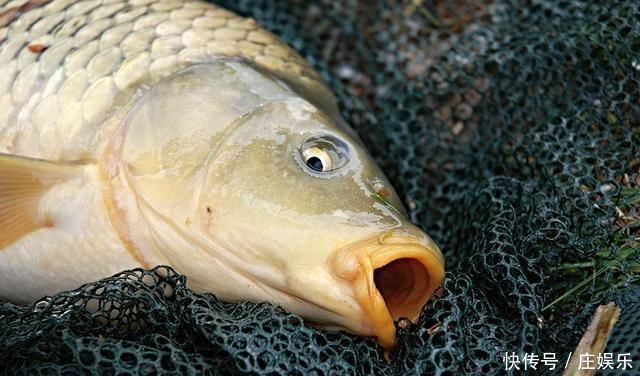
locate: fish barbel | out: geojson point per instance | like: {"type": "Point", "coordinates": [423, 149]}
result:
{"type": "Point", "coordinates": [136, 133]}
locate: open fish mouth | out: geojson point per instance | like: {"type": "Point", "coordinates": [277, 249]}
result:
{"type": "Point", "coordinates": [393, 275]}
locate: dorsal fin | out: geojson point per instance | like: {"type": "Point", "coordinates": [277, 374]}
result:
{"type": "Point", "coordinates": [23, 181]}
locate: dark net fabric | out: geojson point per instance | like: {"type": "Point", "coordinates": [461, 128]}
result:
{"type": "Point", "coordinates": [510, 130]}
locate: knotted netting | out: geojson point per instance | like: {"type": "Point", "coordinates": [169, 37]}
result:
{"type": "Point", "coordinates": [509, 128]}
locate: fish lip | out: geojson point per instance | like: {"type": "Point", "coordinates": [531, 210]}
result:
{"type": "Point", "coordinates": [357, 263]}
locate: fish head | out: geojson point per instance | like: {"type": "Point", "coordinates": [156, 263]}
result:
{"type": "Point", "coordinates": [257, 193]}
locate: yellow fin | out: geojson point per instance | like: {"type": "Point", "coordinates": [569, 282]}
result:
{"type": "Point", "coordinates": [23, 181]}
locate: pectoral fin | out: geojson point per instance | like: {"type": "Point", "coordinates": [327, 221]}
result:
{"type": "Point", "coordinates": [23, 182]}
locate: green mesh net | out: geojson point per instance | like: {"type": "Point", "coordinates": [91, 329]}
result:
{"type": "Point", "coordinates": [510, 130]}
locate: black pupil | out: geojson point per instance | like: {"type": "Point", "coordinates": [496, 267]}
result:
{"type": "Point", "coordinates": [315, 163]}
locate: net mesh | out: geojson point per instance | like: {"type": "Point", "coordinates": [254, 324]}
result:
{"type": "Point", "coordinates": [510, 130]}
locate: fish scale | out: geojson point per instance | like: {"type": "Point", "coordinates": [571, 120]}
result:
{"type": "Point", "coordinates": [96, 54]}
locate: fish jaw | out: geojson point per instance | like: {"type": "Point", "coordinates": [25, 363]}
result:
{"type": "Point", "coordinates": [392, 275]}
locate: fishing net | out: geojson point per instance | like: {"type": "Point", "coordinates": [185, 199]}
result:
{"type": "Point", "coordinates": [510, 130]}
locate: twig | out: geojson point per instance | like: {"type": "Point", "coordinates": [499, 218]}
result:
{"type": "Point", "coordinates": [594, 339]}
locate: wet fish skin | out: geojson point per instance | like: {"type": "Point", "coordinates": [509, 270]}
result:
{"type": "Point", "coordinates": [93, 57]}
{"type": "Point", "coordinates": [148, 132]}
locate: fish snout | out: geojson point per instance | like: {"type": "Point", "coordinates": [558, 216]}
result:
{"type": "Point", "coordinates": [393, 275]}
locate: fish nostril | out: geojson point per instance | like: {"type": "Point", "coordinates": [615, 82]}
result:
{"type": "Point", "coordinates": [380, 189]}
{"type": "Point", "coordinates": [384, 192]}
{"type": "Point", "coordinates": [404, 286]}
{"type": "Point", "coordinates": [377, 187]}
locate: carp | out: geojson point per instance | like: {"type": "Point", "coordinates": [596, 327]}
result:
{"type": "Point", "coordinates": [136, 133]}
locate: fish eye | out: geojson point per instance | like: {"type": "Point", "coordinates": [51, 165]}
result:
{"type": "Point", "coordinates": [317, 159]}
{"type": "Point", "coordinates": [324, 154]}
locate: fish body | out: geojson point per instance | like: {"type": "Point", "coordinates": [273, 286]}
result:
{"type": "Point", "coordinates": [136, 133]}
